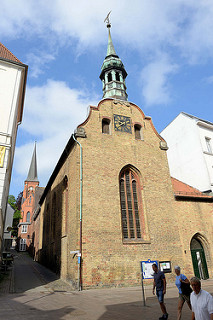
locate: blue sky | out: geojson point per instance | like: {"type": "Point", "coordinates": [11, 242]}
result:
{"type": "Point", "coordinates": [166, 47]}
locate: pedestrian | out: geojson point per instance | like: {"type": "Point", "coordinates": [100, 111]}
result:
{"type": "Point", "coordinates": [201, 301]}
{"type": "Point", "coordinates": [183, 296]}
{"type": "Point", "coordinates": [160, 284]}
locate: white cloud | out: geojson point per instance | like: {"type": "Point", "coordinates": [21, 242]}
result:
{"type": "Point", "coordinates": [154, 78]}
{"type": "Point", "coordinates": [145, 25]}
{"type": "Point", "coordinates": [38, 62]}
{"type": "Point", "coordinates": [181, 30]}
{"type": "Point", "coordinates": [52, 112]}
{"type": "Point", "coordinates": [208, 80]}
{"type": "Point", "coordinates": [195, 40]}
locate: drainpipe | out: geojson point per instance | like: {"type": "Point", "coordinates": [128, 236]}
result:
{"type": "Point", "coordinates": [80, 246]}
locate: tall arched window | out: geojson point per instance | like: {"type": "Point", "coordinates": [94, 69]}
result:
{"type": "Point", "coordinates": [109, 77]}
{"type": "Point", "coordinates": [54, 215]}
{"type": "Point", "coordinates": [129, 195]}
{"type": "Point", "coordinates": [65, 206]}
{"type": "Point", "coordinates": [117, 76]}
{"type": "Point", "coordinates": [28, 216]}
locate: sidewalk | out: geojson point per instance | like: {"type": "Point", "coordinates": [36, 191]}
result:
{"type": "Point", "coordinates": [46, 296]}
{"type": "Point", "coordinates": [6, 281]}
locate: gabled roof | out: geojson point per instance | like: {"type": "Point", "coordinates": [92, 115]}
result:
{"type": "Point", "coordinates": [7, 55]}
{"type": "Point", "coordinates": [196, 118]}
{"type": "Point", "coordinates": [182, 189]}
{"type": "Point", "coordinates": [189, 116]}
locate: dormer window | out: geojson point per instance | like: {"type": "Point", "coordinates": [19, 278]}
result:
{"type": "Point", "coordinates": [106, 126]}
{"type": "Point", "coordinates": [137, 129]}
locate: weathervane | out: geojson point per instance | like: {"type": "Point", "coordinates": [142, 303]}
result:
{"type": "Point", "coordinates": [107, 20]}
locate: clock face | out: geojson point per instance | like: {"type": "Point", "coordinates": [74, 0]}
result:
{"type": "Point", "coordinates": [122, 123]}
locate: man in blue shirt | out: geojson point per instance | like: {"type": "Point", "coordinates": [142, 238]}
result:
{"type": "Point", "coordinates": [160, 285]}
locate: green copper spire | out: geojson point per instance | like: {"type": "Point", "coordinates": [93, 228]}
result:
{"type": "Point", "coordinates": [113, 73]}
{"type": "Point", "coordinates": [110, 48]}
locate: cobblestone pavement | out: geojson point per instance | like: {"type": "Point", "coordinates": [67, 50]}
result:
{"type": "Point", "coordinates": [33, 292]}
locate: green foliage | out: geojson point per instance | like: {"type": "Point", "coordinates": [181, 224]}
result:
{"type": "Point", "coordinates": [19, 200]}
{"type": "Point", "coordinates": [16, 205]}
{"type": "Point", "coordinates": [12, 201]}
{"type": "Point", "coordinates": [17, 215]}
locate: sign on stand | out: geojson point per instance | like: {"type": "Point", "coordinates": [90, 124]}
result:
{"type": "Point", "coordinates": [146, 268]}
{"type": "Point", "coordinates": [147, 273]}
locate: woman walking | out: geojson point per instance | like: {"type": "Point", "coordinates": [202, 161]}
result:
{"type": "Point", "coordinates": [181, 278]}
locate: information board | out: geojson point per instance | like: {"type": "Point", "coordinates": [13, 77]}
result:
{"type": "Point", "coordinates": [165, 266]}
{"type": "Point", "coordinates": [146, 268]}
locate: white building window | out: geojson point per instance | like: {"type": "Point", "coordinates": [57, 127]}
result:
{"type": "Point", "coordinates": [24, 228]}
{"type": "Point", "coordinates": [208, 145]}
{"type": "Point", "coordinates": [22, 245]}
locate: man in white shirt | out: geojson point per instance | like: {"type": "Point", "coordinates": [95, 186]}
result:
{"type": "Point", "coordinates": [201, 301]}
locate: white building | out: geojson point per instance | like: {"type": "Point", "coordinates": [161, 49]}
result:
{"type": "Point", "coordinates": [190, 153]}
{"type": "Point", "coordinates": [13, 75]}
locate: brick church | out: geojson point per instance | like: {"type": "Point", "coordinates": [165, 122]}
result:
{"type": "Point", "coordinates": [111, 202]}
{"type": "Point", "coordinates": [31, 194]}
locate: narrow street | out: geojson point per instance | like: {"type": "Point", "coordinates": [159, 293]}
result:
{"type": "Point", "coordinates": [39, 294]}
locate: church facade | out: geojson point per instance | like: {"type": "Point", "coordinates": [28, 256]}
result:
{"type": "Point", "coordinates": [110, 202]}
{"type": "Point", "coordinates": [30, 198]}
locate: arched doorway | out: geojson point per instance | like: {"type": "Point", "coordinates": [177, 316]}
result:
{"type": "Point", "coordinates": [199, 259]}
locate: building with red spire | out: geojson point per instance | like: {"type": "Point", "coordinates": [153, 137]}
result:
{"type": "Point", "coordinates": [28, 203]}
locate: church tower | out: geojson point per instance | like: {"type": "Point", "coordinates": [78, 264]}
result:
{"type": "Point", "coordinates": [27, 207]}
{"type": "Point", "coordinates": [113, 73]}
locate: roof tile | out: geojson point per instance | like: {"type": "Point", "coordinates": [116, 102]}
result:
{"type": "Point", "coordinates": [182, 189]}
{"type": "Point", "coordinates": [6, 54]}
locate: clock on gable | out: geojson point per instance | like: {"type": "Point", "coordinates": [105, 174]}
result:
{"type": "Point", "coordinates": [122, 123]}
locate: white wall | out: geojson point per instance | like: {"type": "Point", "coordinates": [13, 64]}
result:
{"type": "Point", "coordinates": [11, 89]}
{"type": "Point", "coordinates": [8, 221]}
{"type": "Point", "coordinates": [206, 131]}
{"type": "Point", "coordinates": [185, 155]}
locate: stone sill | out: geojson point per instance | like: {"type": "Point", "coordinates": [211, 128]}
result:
{"type": "Point", "coordinates": [136, 241]}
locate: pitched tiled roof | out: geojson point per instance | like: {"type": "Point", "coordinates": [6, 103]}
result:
{"type": "Point", "coordinates": [184, 190]}
{"type": "Point", "coordinates": [6, 54]}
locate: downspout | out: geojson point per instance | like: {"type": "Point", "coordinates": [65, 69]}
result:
{"type": "Point", "coordinates": [80, 235]}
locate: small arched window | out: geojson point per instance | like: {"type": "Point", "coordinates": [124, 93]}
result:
{"type": "Point", "coordinates": [137, 129]}
{"type": "Point", "coordinates": [106, 126]}
{"type": "Point", "coordinates": [109, 77]}
{"type": "Point", "coordinates": [28, 216]}
{"type": "Point", "coordinates": [117, 76]}
{"type": "Point", "coordinates": [129, 195]}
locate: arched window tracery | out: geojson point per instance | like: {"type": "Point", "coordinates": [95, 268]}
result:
{"type": "Point", "coordinates": [130, 204]}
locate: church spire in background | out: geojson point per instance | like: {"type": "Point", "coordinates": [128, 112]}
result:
{"type": "Point", "coordinates": [32, 174]}
{"type": "Point", "coordinates": [113, 73]}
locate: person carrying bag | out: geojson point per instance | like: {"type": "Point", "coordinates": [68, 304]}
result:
{"type": "Point", "coordinates": [183, 285]}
